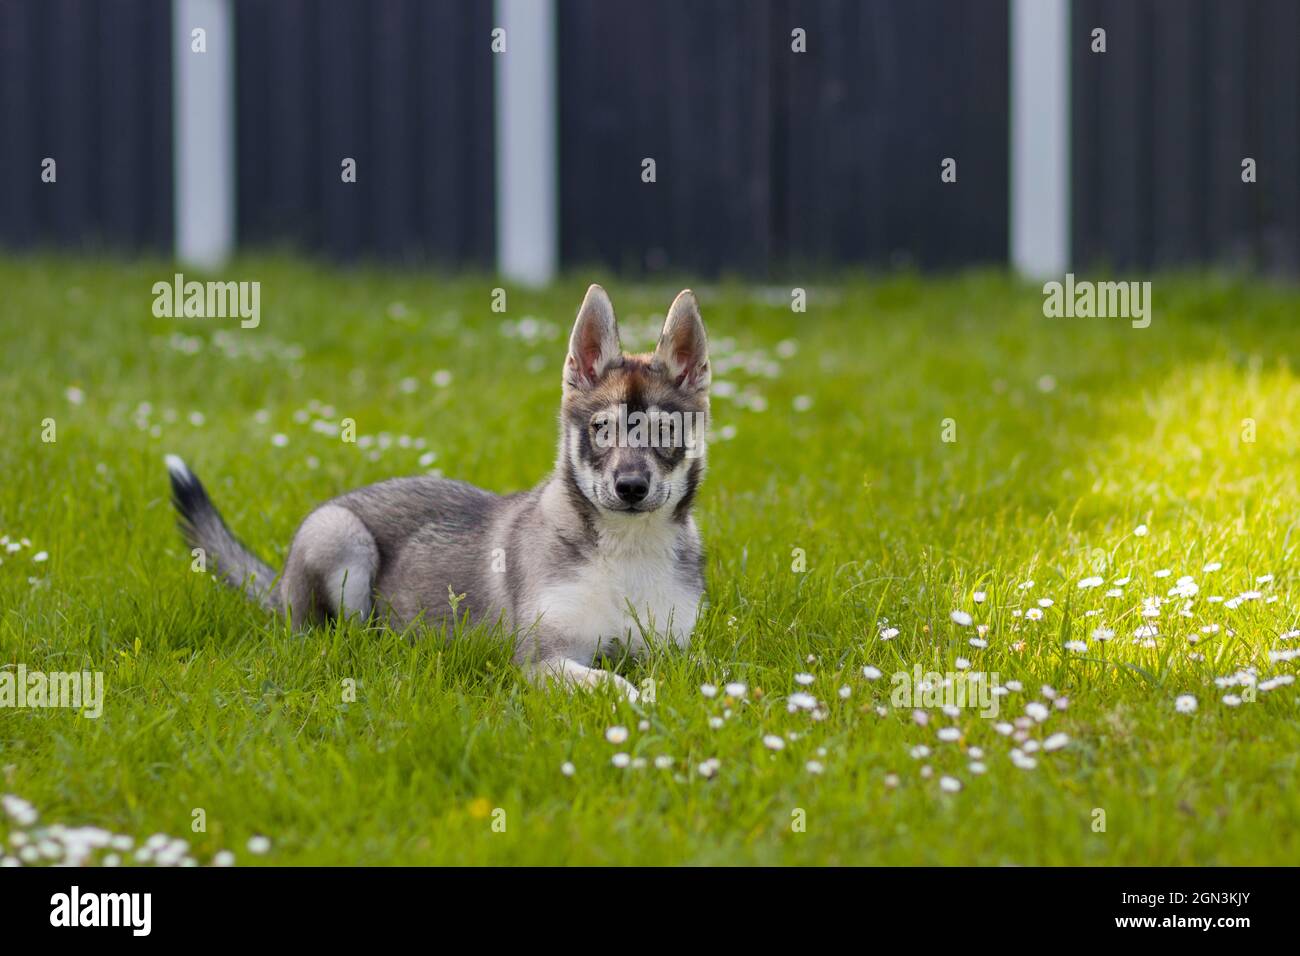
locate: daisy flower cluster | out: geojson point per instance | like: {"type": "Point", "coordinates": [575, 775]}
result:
{"type": "Point", "coordinates": [225, 343]}
{"type": "Point", "coordinates": [20, 552]}
{"type": "Point", "coordinates": [1028, 737]}
{"type": "Point", "coordinates": [1182, 608]}
{"type": "Point", "coordinates": [31, 844]}
{"type": "Point", "coordinates": [617, 736]}
{"type": "Point", "coordinates": [325, 420]}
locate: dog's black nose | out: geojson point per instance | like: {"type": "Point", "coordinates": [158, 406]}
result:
{"type": "Point", "coordinates": [631, 489]}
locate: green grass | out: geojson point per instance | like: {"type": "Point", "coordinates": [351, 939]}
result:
{"type": "Point", "coordinates": [210, 704]}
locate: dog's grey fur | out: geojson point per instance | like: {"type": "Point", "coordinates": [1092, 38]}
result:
{"type": "Point", "coordinates": [569, 567]}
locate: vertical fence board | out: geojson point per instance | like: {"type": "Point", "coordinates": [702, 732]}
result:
{"type": "Point", "coordinates": [1176, 229]}
{"type": "Point", "coordinates": [391, 172]}
{"type": "Point", "coordinates": [1229, 209]}
{"type": "Point", "coordinates": [1275, 98]}
{"type": "Point", "coordinates": [21, 153]}
{"type": "Point", "coordinates": [343, 84]}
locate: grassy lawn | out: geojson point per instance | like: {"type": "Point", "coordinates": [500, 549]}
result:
{"type": "Point", "coordinates": [1084, 448]}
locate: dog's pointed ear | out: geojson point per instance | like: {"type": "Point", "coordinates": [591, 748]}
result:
{"type": "Point", "coordinates": [594, 344]}
{"type": "Point", "coordinates": [683, 348]}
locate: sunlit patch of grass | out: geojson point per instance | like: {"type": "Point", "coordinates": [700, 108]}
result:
{"type": "Point", "coordinates": [1084, 449]}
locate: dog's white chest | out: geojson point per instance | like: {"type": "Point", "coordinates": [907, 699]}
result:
{"type": "Point", "coordinates": [623, 596]}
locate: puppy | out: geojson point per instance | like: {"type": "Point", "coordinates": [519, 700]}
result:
{"type": "Point", "coordinates": [604, 551]}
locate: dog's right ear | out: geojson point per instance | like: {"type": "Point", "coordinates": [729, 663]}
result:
{"type": "Point", "coordinates": [594, 344]}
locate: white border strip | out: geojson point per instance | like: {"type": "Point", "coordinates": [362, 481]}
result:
{"type": "Point", "coordinates": [1040, 137]}
{"type": "Point", "coordinates": [526, 124]}
{"type": "Point", "coordinates": [203, 121]}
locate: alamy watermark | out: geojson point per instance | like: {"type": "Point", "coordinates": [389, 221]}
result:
{"type": "Point", "coordinates": [75, 690]}
{"type": "Point", "coordinates": [652, 429]}
{"type": "Point", "coordinates": [208, 300]}
{"type": "Point", "coordinates": [1085, 300]}
{"type": "Point", "coordinates": [949, 689]}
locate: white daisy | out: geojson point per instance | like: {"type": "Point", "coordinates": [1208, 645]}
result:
{"type": "Point", "coordinates": [1023, 761]}
{"type": "Point", "coordinates": [258, 845]}
{"type": "Point", "coordinates": [616, 734]}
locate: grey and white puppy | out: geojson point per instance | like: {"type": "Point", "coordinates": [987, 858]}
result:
{"type": "Point", "coordinates": [604, 550]}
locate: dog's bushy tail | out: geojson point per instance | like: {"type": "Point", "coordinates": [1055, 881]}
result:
{"type": "Point", "coordinates": [202, 526]}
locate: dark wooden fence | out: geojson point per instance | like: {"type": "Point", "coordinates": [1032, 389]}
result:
{"type": "Point", "coordinates": [765, 156]}
{"type": "Point", "coordinates": [1162, 121]}
{"type": "Point", "coordinates": [404, 87]}
{"type": "Point", "coordinates": [765, 159]}
{"type": "Point", "coordinates": [88, 85]}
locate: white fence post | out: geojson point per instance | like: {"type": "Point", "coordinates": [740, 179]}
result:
{"type": "Point", "coordinates": [1040, 137]}
{"type": "Point", "coordinates": [527, 217]}
{"type": "Point", "coordinates": [203, 119]}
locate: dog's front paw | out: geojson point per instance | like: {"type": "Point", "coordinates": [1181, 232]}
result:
{"type": "Point", "coordinates": [626, 686]}
{"type": "Point", "coordinates": [571, 674]}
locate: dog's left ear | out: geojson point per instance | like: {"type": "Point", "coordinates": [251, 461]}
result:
{"type": "Point", "coordinates": [683, 348]}
{"type": "Point", "coordinates": [593, 345]}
